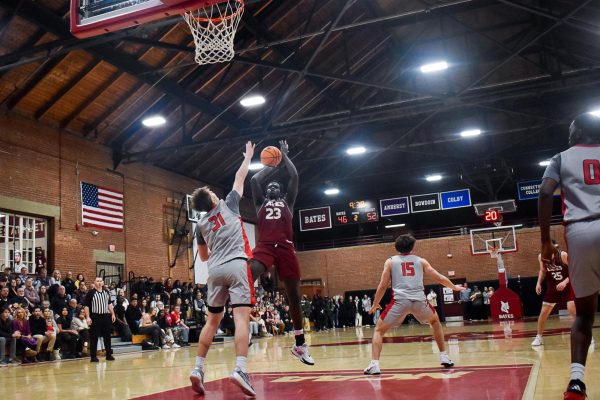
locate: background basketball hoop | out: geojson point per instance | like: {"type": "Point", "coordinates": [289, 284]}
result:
{"type": "Point", "coordinates": [214, 27]}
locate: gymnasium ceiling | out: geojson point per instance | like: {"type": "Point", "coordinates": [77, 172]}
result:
{"type": "Point", "coordinates": [334, 73]}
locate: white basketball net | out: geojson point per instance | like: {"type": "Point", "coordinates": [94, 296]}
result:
{"type": "Point", "coordinates": [214, 28]}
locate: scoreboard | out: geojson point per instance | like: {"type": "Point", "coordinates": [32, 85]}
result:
{"type": "Point", "coordinates": [356, 212]}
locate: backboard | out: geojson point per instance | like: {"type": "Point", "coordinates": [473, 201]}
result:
{"type": "Point", "coordinates": [96, 17]}
{"type": "Point", "coordinates": [504, 206]}
{"type": "Point", "coordinates": [192, 215]}
{"type": "Point", "coordinates": [501, 238]}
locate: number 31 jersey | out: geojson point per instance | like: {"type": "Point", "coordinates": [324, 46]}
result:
{"type": "Point", "coordinates": [407, 277]}
{"type": "Point", "coordinates": [275, 223]}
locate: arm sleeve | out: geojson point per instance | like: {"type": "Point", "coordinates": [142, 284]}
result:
{"type": "Point", "coordinates": [233, 201]}
{"type": "Point", "coordinates": [553, 169]}
{"type": "Point", "coordinates": [199, 237]}
{"type": "Point", "coordinates": [87, 300]}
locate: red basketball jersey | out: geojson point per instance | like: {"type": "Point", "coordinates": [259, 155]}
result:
{"type": "Point", "coordinates": [275, 223]}
{"type": "Point", "coordinates": [557, 273]}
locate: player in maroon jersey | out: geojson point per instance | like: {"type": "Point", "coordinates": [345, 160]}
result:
{"type": "Point", "coordinates": [275, 246]}
{"type": "Point", "coordinates": [558, 289]}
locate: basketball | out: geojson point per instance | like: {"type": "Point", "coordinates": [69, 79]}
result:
{"type": "Point", "coordinates": [270, 156]}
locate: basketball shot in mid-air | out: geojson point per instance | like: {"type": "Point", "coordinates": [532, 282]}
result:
{"type": "Point", "coordinates": [405, 272]}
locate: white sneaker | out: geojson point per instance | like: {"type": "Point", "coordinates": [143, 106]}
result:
{"type": "Point", "coordinates": [242, 379]}
{"type": "Point", "coordinates": [175, 346]}
{"type": "Point", "coordinates": [446, 361]}
{"type": "Point", "coordinates": [372, 369]}
{"type": "Point", "coordinates": [197, 379]}
{"type": "Point", "coordinates": [166, 347]}
{"type": "Point", "coordinates": [538, 341]}
{"type": "Point", "coordinates": [302, 354]}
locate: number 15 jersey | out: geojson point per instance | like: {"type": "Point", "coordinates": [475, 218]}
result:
{"type": "Point", "coordinates": [275, 223]}
{"type": "Point", "coordinates": [407, 277]}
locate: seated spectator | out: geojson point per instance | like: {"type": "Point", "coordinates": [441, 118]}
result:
{"type": "Point", "coordinates": [151, 328]}
{"type": "Point", "coordinates": [37, 324]}
{"type": "Point", "coordinates": [227, 324]}
{"type": "Point", "coordinates": [164, 322]}
{"type": "Point", "coordinates": [20, 300]}
{"type": "Point", "coordinates": [4, 300]}
{"type": "Point", "coordinates": [69, 284]}
{"type": "Point", "coordinates": [31, 294]}
{"type": "Point", "coordinates": [60, 301]}
{"type": "Point", "coordinates": [180, 326]}
{"type": "Point", "coordinates": [12, 288]}
{"type": "Point", "coordinates": [40, 259]}
{"type": "Point", "coordinates": [55, 280]}
{"type": "Point", "coordinates": [287, 319]}
{"type": "Point", "coordinates": [25, 342]}
{"type": "Point", "coordinates": [23, 275]}
{"type": "Point", "coordinates": [133, 315]}
{"type": "Point", "coordinates": [41, 279]}
{"type": "Point", "coordinates": [145, 306]}
{"type": "Point", "coordinates": [257, 324]}
{"type": "Point", "coordinates": [200, 310]}
{"type": "Point", "coordinates": [80, 278]}
{"type": "Point", "coordinates": [112, 291]}
{"type": "Point", "coordinates": [51, 330]}
{"type": "Point", "coordinates": [79, 324]}
{"type": "Point", "coordinates": [43, 294]}
{"type": "Point", "coordinates": [73, 308]}
{"type": "Point", "coordinates": [67, 337]}
{"type": "Point", "coordinates": [7, 337]}
{"type": "Point", "coordinates": [81, 292]}
{"type": "Point", "coordinates": [121, 295]}
{"type": "Point", "coordinates": [156, 300]}
{"type": "Point", "coordinates": [7, 272]}
{"type": "Point", "coordinates": [120, 324]}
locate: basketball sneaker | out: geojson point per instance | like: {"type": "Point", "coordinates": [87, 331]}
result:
{"type": "Point", "coordinates": [446, 361]}
{"type": "Point", "coordinates": [575, 390]}
{"type": "Point", "coordinates": [242, 379]}
{"type": "Point", "coordinates": [302, 354]}
{"type": "Point", "coordinates": [197, 379]}
{"type": "Point", "coordinates": [538, 341]}
{"type": "Point", "coordinates": [372, 369]}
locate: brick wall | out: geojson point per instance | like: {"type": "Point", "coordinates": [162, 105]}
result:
{"type": "Point", "coordinates": [44, 165]}
{"type": "Point", "coordinates": [357, 268]}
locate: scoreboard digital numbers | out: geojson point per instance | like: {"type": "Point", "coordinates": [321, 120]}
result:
{"type": "Point", "coordinates": [356, 212]}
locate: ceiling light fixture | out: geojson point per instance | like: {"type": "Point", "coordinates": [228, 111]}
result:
{"type": "Point", "coordinates": [433, 178]}
{"type": "Point", "coordinates": [153, 121]}
{"type": "Point", "coordinates": [253, 101]}
{"type": "Point", "coordinates": [434, 67]}
{"type": "Point", "coordinates": [595, 113]}
{"type": "Point", "coordinates": [356, 150]}
{"type": "Point", "coordinates": [395, 226]}
{"type": "Point", "coordinates": [470, 133]}
{"type": "Point", "coordinates": [544, 163]}
{"type": "Point", "coordinates": [255, 166]}
{"type": "Point", "coordinates": [332, 191]}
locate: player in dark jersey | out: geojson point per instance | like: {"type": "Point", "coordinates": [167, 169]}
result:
{"type": "Point", "coordinates": [558, 290]}
{"type": "Point", "coordinates": [275, 241]}
{"type": "Point", "coordinates": [577, 170]}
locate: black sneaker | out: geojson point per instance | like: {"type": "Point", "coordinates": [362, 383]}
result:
{"type": "Point", "coordinates": [110, 358]}
{"type": "Point", "coordinates": [94, 359]}
{"type": "Point", "coordinates": [575, 390]}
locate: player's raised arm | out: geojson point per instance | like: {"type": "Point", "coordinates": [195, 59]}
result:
{"type": "Point", "coordinates": [439, 278]}
{"type": "Point", "coordinates": [257, 184]}
{"type": "Point", "coordinates": [384, 283]}
{"type": "Point", "coordinates": [242, 172]}
{"type": "Point", "coordinates": [292, 189]}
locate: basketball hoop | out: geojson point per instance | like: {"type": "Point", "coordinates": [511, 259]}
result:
{"type": "Point", "coordinates": [494, 252]}
{"type": "Point", "coordinates": [214, 27]}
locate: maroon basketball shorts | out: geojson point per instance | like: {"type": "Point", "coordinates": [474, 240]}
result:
{"type": "Point", "coordinates": [283, 257]}
{"type": "Point", "coordinates": [553, 296]}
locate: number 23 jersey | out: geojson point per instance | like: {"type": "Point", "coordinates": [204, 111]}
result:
{"type": "Point", "coordinates": [275, 223]}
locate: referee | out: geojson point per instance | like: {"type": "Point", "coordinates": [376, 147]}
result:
{"type": "Point", "coordinates": [100, 316]}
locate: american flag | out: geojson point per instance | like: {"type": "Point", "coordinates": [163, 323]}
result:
{"type": "Point", "coordinates": [101, 207]}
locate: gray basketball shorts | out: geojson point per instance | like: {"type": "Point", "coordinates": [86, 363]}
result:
{"type": "Point", "coordinates": [230, 280]}
{"type": "Point", "coordinates": [583, 247]}
{"type": "Point", "coordinates": [397, 310]}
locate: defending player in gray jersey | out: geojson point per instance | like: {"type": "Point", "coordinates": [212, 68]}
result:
{"type": "Point", "coordinates": [222, 242]}
{"type": "Point", "coordinates": [405, 272]}
{"type": "Point", "coordinates": [577, 171]}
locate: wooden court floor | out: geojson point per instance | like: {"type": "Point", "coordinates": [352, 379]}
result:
{"type": "Point", "coordinates": [493, 361]}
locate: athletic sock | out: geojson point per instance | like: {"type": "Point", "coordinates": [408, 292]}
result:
{"type": "Point", "coordinates": [241, 363]}
{"type": "Point", "coordinates": [200, 363]}
{"type": "Point", "coordinates": [375, 362]}
{"type": "Point", "coordinates": [443, 353]}
{"type": "Point", "coordinates": [299, 334]}
{"type": "Point", "coordinates": [577, 371]}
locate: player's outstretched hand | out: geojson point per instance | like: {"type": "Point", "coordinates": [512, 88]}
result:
{"type": "Point", "coordinates": [548, 251]}
{"type": "Point", "coordinates": [538, 289]}
{"type": "Point", "coordinates": [458, 288]}
{"type": "Point", "coordinates": [249, 153]}
{"type": "Point", "coordinates": [374, 308]}
{"type": "Point", "coordinates": [284, 146]}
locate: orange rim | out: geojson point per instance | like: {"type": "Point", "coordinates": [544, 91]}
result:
{"type": "Point", "coordinates": [221, 19]}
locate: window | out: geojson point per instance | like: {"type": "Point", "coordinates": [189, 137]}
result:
{"type": "Point", "coordinates": [23, 234]}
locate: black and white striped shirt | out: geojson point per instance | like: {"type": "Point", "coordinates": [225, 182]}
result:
{"type": "Point", "coordinates": [97, 301]}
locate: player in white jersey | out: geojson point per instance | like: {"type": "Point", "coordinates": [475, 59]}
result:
{"type": "Point", "coordinates": [577, 171]}
{"type": "Point", "coordinates": [405, 272]}
{"type": "Point", "coordinates": [223, 243]}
